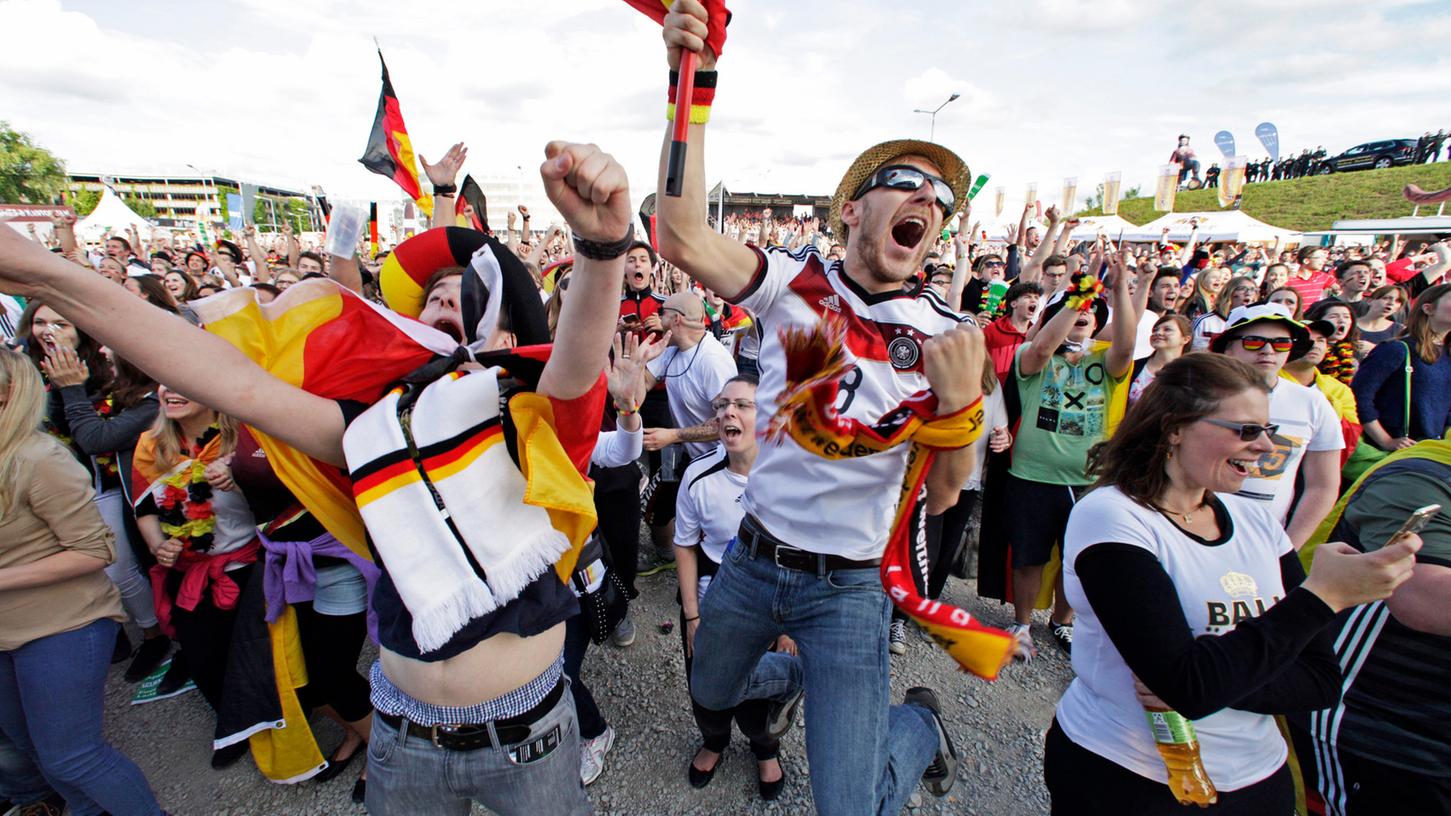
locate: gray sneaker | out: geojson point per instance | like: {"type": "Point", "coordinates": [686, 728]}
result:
{"type": "Point", "coordinates": [942, 773]}
{"type": "Point", "coordinates": [624, 633]}
{"type": "Point", "coordinates": [780, 716]}
{"type": "Point", "coordinates": [897, 637]}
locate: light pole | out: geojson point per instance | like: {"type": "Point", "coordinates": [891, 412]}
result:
{"type": "Point", "coordinates": [932, 137]}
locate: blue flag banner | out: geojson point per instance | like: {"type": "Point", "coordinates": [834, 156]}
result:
{"type": "Point", "coordinates": [234, 211]}
{"type": "Point", "coordinates": [1225, 140]}
{"type": "Point", "coordinates": [1270, 138]}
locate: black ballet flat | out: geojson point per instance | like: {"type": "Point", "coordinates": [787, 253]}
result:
{"type": "Point", "coordinates": [337, 766]}
{"type": "Point", "coordinates": [699, 778]}
{"type": "Point", "coordinates": [770, 791]}
{"type": "Point", "coordinates": [360, 791]}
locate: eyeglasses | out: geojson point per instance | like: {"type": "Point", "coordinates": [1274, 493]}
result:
{"type": "Point", "coordinates": [740, 404]}
{"type": "Point", "coordinates": [907, 177]}
{"type": "Point", "coordinates": [1253, 342]}
{"type": "Point", "coordinates": [994, 264]}
{"type": "Point", "coordinates": [1248, 431]}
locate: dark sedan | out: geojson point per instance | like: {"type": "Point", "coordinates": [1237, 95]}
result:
{"type": "Point", "coordinates": [1378, 155]}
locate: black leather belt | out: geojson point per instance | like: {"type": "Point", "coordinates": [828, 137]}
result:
{"type": "Point", "coordinates": [473, 736]}
{"type": "Point", "coordinates": [761, 543]}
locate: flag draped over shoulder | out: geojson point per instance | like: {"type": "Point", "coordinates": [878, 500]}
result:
{"type": "Point", "coordinates": [390, 152]}
{"type": "Point", "coordinates": [815, 364]}
{"type": "Point", "coordinates": [326, 340]}
{"type": "Point", "coordinates": [719, 17]}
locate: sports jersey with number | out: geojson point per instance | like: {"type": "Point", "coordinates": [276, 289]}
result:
{"type": "Point", "coordinates": [843, 506]}
{"type": "Point", "coordinates": [1307, 423]}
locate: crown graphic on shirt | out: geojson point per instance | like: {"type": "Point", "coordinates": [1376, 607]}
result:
{"type": "Point", "coordinates": [1237, 584]}
{"type": "Point", "coordinates": [832, 302]}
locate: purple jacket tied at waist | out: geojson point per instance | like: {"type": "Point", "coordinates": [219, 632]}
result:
{"type": "Point", "coordinates": [289, 577]}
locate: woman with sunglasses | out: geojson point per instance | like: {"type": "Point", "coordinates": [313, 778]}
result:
{"type": "Point", "coordinates": [1192, 599]}
{"type": "Point", "coordinates": [1266, 338]}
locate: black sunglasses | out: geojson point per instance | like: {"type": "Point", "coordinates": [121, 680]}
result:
{"type": "Point", "coordinates": [1248, 431]}
{"type": "Point", "coordinates": [907, 177]}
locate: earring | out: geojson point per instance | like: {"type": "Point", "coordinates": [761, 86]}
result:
{"type": "Point", "coordinates": [1171, 454]}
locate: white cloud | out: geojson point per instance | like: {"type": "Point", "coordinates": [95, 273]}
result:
{"type": "Point", "coordinates": [284, 92]}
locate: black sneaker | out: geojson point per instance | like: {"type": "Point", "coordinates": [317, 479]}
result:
{"type": "Point", "coordinates": [175, 677]}
{"type": "Point", "coordinates": [941, 775]}
{"type": "Point", "coordinates": [148, 657]}
{"type": "Point", "coordinates": [780, 716]}
{"type": "Point", "coordinates": [1063, 635]}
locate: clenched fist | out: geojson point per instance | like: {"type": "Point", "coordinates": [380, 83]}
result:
{"type": "Point", "coordinates": [953, 363]}
{"type": "Point", "coordinates": [589, 188]}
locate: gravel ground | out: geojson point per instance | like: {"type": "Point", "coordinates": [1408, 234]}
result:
{"type": "Point", "coordinates": [998, 729]}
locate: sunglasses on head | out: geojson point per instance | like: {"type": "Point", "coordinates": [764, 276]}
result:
{"type": "Point", "coordinates": [1253, 342]}
{"type": "Point", "coordinates": [1248, 431]}
{"type": "Point", "coordinates": [907, 177]}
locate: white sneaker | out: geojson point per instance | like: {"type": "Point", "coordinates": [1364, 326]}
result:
{"type": "Point", "coordinates": [592, 755]}
{"type": "Point", "coordinates": [1025, 650]}
{"type": "Point", "coordinates": [897, 637]}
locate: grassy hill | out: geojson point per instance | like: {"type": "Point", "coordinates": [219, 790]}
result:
{"type": "Point", "coordinates": [1310, 203]}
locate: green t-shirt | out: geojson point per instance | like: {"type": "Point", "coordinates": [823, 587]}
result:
{"type": "Point", "coordinates": [1065, 412]}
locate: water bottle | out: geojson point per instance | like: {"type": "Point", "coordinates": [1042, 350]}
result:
{"type": "Point", "coordinates": [1179, 746]}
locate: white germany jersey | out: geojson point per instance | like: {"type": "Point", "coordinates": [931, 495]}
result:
{"type": "Point", "coordinates": [708, 507]}
{"type": "Point", "coordinates": [844, 506]}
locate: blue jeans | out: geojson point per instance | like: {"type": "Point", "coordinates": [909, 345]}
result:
{"type": "Point", "coordinates": [20, 781]}
{"type": "Point", "coordinates": [866, 755]}
{"type": "Point", "coordinates": [51, 697]}
{"type": "Point", "coordinates": [407, 775]}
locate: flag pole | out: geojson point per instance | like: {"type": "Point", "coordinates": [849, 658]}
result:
{"type": "Point", "coordinates": [684, 93]}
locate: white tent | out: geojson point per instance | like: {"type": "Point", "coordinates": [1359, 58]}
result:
{"type": "Point", "coordinates": [1226, 225]}
{"type": "Point", "coordinates": [111, 216]}
{"type": "Point", "coordinates": [1111, 225]}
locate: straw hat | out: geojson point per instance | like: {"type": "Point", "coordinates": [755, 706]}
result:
{"type": "Point", "coordinates": [954, 172]}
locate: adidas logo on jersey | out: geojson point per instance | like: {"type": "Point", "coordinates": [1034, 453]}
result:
{"type": "Point", "coordinates": [832, 302]}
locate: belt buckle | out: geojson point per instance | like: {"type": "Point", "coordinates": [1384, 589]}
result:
{"type": "Point", "coordinates": [433, 732]}
{"type": "Point", "coordinates": [780, 548]}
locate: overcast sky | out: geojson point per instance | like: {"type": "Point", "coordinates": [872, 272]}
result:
{"type": "Point", "coordinates": [284, 91]}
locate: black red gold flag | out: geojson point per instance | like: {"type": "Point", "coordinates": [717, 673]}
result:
{"type": "Point", "coordinates": [390, 152]}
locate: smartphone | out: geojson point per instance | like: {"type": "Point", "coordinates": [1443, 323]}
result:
{"type": "Point", "coordinates": [1416, 522]}
{"type": "Point", "coordinates": [629, 318]}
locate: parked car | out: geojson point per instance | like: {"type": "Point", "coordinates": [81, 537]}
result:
{"type": "Point", "coordinates": [1379, 155]}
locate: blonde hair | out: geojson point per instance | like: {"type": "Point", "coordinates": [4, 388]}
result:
{"type": "Point", "coordinates": [20, 418]}
{"type": "Point", "coordinates": [170, 441]}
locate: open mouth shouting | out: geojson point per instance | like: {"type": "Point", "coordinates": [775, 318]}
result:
{"type": "Point", "coordinates": [731, 430]}
{"type": "Point", "coordinates": [450, 326]}
{"type": "Point", "coordinates": [909, 231]}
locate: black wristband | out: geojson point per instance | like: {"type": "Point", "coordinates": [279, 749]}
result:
{"type": "Point", "coordinates": [445, 189]}
{"type": "Point", "coordinates": [605, 250]}
{"type": "Point", "coordinates": [703, 79]}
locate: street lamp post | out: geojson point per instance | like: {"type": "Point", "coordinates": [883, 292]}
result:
{"type": "Point", "coordinates": [932, 137]}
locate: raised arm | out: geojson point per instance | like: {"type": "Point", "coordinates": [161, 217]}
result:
{"type": "Point", "coordinates": [590, 190]}
{"type": "Point", "coordinates": [1034, 267]}
{"type": "Point", "coordinates": [1020, 238]}
{"type": "Point", "coordinates": [962, 269]}
{"type": "Point", "coordinates": [442, 176]}
{"type": "Point", "coordinates": [64, 226]}
{"type": "Point", "coordinates": [211, 371]}
{"type": "Point", "coordinates": [1123, 327]}
{"type": "Point", "coordinates": [262, 273]}
{"type": "Point", "coordinates": [684, 237]}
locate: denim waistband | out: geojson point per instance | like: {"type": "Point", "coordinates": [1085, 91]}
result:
{"type": "Point", "coordinates": [390, 699]}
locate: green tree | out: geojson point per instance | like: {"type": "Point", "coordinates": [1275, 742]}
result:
{"type": "Point", "coordinates": [84, 202]}
{"type": "Point", "coordinates": [29, 174]}
{"type": "Point", "coordinates": [140, 206]}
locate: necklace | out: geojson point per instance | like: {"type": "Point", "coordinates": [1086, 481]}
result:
{"type": "Point", "coordinates": [1186, 515]}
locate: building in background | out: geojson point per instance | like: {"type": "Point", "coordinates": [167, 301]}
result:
{"type": "Point", "coordinates": [181, 200]}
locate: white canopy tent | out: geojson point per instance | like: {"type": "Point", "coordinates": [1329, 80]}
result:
{"type": "Point", "coordinates": [1227, 225]}
{"type": "Point", "coordinates": [111, 216]}
{"type": "Point", "coordinates": [1111, 225]}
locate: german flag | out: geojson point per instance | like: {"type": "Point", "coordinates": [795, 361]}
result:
{"type": "Point", "coordinates": [716, 29]}
{"type": "Point", "coordinates": [390, 152]}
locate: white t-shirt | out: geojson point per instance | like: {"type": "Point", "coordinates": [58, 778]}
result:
{"type": "Point", "coordinates": [995, 414]}
{"type": "Point", "coordinates": [836, 506]}
{"type": "Point", "coordinates": [1307, 423]}
{"type": "Point", "coordinates": [1217, 586]}
{"type": "Point", "coordinates": [708, 508]}
{"type": "Point", "coordinates": [1142, 347]}
{"type": "Point", "coordinates": [693, 378]}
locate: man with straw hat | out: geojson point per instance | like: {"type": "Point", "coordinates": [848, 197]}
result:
{"type": "Point", "coordinates": [819, 537]}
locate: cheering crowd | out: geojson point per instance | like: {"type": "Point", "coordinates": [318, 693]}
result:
{"type": "Point", "coordinates": [1198, 459]}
